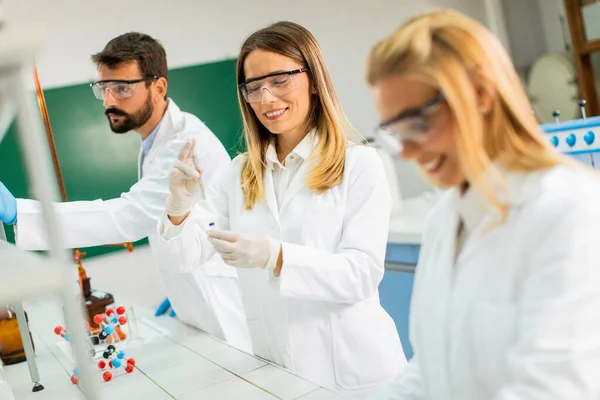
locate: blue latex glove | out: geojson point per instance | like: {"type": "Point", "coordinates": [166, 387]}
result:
{"type": "Point", "coordinates": [164, 306]}
{"type": "Point", "coordinates": [8, 206]}
{"type": "Point", "coordinates": [172, 313]}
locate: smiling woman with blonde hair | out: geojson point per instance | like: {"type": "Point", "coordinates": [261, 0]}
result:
{"type": "Point", "coordinates": [303, 215]}
{"type": "Point", "coordinates": [506, 300]}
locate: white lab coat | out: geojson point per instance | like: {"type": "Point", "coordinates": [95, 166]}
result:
{"type": "Point", "coordinates": [322, 317]}
{"type": "Point", "coordinates": [517, 316]}
{"type": "Point", "coordinates": [207, 298]}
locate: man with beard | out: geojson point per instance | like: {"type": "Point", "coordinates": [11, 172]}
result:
{"type": "Point", "coordinates": [133, 86]}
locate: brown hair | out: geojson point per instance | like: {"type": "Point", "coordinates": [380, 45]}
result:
{"type": "Point", "coordinates": [326, 115]}
{"type": "Point", "coordinates": [149, 54]}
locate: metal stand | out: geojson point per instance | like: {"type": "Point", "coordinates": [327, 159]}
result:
{"type": "Point", "coordinates": [28, 347]}
{"type": "Point", "coordinates": [17, 49]}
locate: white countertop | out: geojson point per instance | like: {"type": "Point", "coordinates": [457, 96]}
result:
{"type": "Point", "coordinates": [184, 363]}
{"type": "Point", "coordinates": [408, 227]}
{"type": "Point", "coordinates": [177, 362]}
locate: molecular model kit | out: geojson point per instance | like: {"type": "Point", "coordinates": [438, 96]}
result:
{"type": "Point", "coordinates": [103, 341]}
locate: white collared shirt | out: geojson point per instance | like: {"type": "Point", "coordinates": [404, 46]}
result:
{"type": "Point", "coordinates": [283, 173]}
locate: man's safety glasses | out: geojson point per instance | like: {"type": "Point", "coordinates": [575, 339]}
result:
{"type": "Point", "coordinates": [416, 125]}
{"type": "Point", "coordinates": [120, 89]}
{"type": "Point", "coordinates": [277, 83]}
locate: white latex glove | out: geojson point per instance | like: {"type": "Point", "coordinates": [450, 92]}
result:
{"type": "Point", "coordinates": [243, 250]}
{"type": "Point", "coordinates": [185, 182]}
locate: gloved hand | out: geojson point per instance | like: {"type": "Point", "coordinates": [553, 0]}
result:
{"type": "Point", "coordinates": [8, 206]}
{"type": "Point", "coordinates": [185, 182]}
{"type": "Point", "coordinates": [243, 250]}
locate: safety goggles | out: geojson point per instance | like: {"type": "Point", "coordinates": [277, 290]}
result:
{"type": "Point", "coordinates": [119, 89]}
{"type": "Point", "coordinates": [417, 125]}
{"type": "Point", "coordinates": [277, 83]}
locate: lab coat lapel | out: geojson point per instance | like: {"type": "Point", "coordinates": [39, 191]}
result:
{"type": "Point", "coordinates": [433, 312]}
{"type": "Point", "coordinates": [270, 198]}
{"type": "Point", "coordinates": [479, 239]}
{"type": "Point", "coordinates": [139, 164]}
{"type": "Point", "coordinates": [172, 122]}
{"type": "Point", "coordinates": [304, 150]}
{"type": "Point", "coordinates": [445, 245]}
{"type": "Point", "coordinates": [297, 184]}
{"type": "Point", "coordinates": [487, 230]}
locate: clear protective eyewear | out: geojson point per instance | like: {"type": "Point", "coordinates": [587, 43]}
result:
{"type": "Point", "coordinates": [415, 125]}
{"type": "Point", "coordinates": [277, 83]}
{"type": "Point", "coordinates": [120, 89]}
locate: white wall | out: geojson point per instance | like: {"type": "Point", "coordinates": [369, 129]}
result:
{"type": "Point", "coordinates": [526, 33]}
{"type": "Point", "coordinates": [555, 33]}
{"type": "Point", "coordinates": [534, 28]}
{"type": "Point", "coordinates": [209, 30]}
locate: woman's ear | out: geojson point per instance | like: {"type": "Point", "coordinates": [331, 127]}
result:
{"type": "Point", "coordinates": [485, 91]}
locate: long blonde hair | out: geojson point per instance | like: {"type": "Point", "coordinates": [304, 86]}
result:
{"type": "Point", "coordinates": [446, 48]}
{"type": "Point", "coordinates": [326, 115]}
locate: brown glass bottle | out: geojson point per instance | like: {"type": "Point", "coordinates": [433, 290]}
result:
{"type": "Point", "coordinates": [11, 344]}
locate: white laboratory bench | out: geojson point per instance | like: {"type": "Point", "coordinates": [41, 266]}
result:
{"type": "Point", "coordinates": [179, 362]}
{"type": "Point", "coordinates": [186, 363]}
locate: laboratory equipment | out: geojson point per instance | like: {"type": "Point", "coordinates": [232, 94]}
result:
{"type": "Point", "coordinates": [20, 280]}
{"type": "Point", "coordinates": [579, 138]}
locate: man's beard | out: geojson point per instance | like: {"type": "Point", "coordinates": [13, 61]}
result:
{"type": "Point", "coordinates": [129, 122]}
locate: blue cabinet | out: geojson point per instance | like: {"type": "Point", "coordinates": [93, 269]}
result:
{"type": "Point", "coordinates": [395, 291]}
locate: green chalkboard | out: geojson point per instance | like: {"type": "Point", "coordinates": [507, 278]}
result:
{"type": "Point", "coordinates": [98, 164]}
